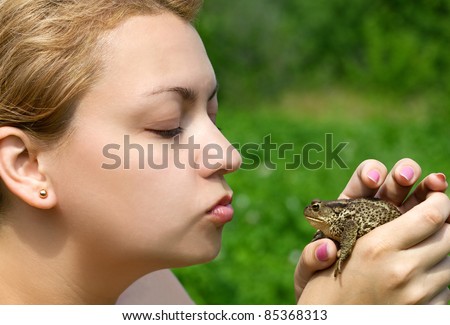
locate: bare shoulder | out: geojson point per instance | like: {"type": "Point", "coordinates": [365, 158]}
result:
{"type": "Point", "coordinates": [157, 288]}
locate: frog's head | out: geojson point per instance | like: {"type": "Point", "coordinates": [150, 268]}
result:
{"type": "Point", "coordinates": [322, 214]}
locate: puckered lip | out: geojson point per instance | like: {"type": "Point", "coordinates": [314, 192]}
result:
{"type": "Point", "coordinates": [223, 201]}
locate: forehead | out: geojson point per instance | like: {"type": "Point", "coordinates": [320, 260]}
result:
{"type": "Point", "coordinates": [154, 51]}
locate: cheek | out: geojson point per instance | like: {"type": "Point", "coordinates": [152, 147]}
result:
{"type": "Point", "coordinates": [133, 214]}
{"type": "Point", "coordinates": [116, 203]}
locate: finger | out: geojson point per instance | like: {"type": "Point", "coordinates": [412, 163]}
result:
{"type": "Point", "coordinates": [432, 183]}
{"type": "Point", "coordinates": [366, 180]}
{"type": "Point", "coordinates": [438, 279]}
{"type": "Point", "coordinates": [316, 256]}
{"type": "Point", "coordinates": [432, 250]}
{"type": "Point", "coordinates": [419, 223]}
{"type": "Point", "coordinates": [399, 181]}
{"type": "Point", "coordinates": [442, 298]}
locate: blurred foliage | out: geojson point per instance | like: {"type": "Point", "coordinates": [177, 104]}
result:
{"type": "Point", "coordinates": [374, 73]}
{"type": "Point", "coordinates": [262, 244]}
{"type": "Point", "coordinates": [262, 47]}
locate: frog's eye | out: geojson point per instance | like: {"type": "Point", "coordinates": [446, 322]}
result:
{"type": "Point", "coordinates": [316, 206]}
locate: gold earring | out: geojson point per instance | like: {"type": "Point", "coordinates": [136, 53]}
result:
{"type": "Point", "coordinates": [43, 194]}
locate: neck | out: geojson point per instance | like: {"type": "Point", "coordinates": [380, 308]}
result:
{"type": "Point", "coordinates": [57, 271]}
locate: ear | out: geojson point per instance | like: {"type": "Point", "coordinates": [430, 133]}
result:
{"type": "Point", "coordinates": [20, 170]}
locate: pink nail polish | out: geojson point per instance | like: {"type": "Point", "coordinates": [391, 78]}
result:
{"type": "Point", "coordinates": [374, 175]}
{"type": "Point", "coordinates": [322, 253]}
{"type": "Point", "coordinates": [407, 173]}
{"type": "Point", "coordinates": [441, 177]}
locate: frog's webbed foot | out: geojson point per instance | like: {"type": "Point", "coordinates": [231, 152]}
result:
{"type": "Point", "coordinates": [337, 268]}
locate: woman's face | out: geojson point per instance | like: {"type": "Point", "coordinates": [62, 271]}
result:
{"type": "Point", "coordinates": [141, 177]}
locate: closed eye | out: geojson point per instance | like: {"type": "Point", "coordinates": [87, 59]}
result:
{"type": "Point", "coordinates": [167, 134]}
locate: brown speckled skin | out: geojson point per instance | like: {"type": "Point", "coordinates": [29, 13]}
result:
{"type": "Point", "coordinates": [347, 220]}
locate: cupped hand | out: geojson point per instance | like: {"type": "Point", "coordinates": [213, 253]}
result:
{"type": "Point", "coordinates": [404, 261]}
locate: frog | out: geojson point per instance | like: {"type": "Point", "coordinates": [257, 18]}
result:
{"type": "Point", "coordinates": [346, 220]}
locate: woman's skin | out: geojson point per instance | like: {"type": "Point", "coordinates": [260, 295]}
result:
{"type": "Point", "coordinates": [156, 288]}
{"type": "Point", "coordinates": [100, 228]}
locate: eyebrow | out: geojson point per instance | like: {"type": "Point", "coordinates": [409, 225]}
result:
{"type": "Point", "coordinates": [188, 94]}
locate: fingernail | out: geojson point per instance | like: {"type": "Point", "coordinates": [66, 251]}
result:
{"type": "Point", "coordinates": [374, 175]}
{"type": "Point", "coordinates": [441, 177]}
{"type": "Point", "coordinates": [407, 173]}
{"type": "Point", "coordinates": [322, 253]}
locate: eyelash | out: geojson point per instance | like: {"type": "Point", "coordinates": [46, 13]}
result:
{"type": "Point", "coordinates": [172, 133]}
{"type": "Point", "coordinates": [168, 134]}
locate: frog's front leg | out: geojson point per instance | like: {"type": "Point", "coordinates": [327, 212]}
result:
{"type": "Point", "coordinates": [348, 240]}
{"type": "Point", "coordinates": [318, 235]}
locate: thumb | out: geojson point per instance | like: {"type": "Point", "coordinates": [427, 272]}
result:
{"type": "Point", "coordinates": [316, 256]}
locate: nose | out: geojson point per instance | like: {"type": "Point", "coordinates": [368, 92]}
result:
{"type": "Point", "coordinates": [217, 154]}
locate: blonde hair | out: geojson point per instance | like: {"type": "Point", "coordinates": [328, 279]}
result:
{"type": "Point", "coordinates": [48, 56]}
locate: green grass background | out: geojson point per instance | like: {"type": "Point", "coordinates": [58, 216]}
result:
{"type": "Point", "coordinates": [262, 244]}
{"type": "Point", "coordinates": [373, 73]}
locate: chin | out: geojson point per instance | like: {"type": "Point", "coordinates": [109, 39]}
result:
{"type": "Point", "coordinates": [199, 255]}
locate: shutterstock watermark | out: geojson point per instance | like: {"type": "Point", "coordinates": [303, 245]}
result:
{"type": "Point", "coordinates": [271, 155]}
